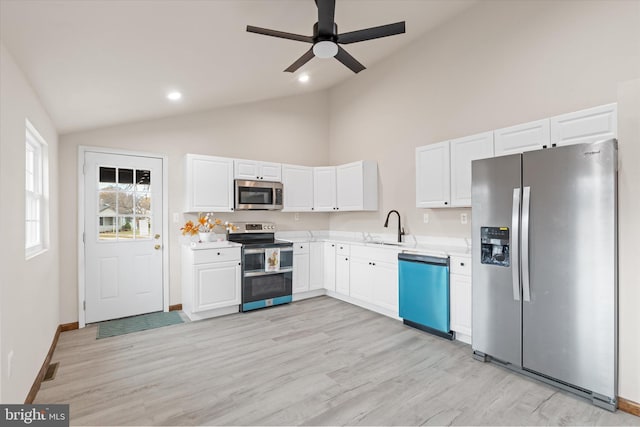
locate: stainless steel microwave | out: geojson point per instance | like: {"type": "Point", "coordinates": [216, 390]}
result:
{"type": "Point", "coordinates": [258, 195]}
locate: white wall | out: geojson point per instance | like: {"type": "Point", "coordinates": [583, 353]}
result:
{"type": "Point", "coordinates": [29, 306]}
{"type": "Point", "coordinates": [289, 130]}
{"type": "Point", "coordinates": [495, 65]}
{"type": "Point", "coordinates": [629, 236]}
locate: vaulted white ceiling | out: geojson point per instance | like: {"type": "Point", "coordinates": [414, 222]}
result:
{"type": "Point", "coordinates": [97, 63]}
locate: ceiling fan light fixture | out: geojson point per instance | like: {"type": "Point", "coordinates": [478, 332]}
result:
{"type": "Point", "coordinates": [325, 49]}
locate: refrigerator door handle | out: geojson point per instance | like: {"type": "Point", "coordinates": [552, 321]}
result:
{"type": "Point", "coordinates": [526, 290]}
{"type": "Point", "coordinates": [515, 226]}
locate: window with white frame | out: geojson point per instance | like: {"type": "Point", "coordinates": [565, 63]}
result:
{"type": "Point", "coordinates": [36, 193]}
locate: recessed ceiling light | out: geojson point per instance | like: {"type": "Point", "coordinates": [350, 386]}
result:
{"type": "Point", "coordinates": [303, 78]}
{"type": "Point", "coordinates": [174, 96]}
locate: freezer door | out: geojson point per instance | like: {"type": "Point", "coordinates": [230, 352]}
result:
{"type": "Point", "coordinates": [496, 308]}
{"type": "Point", "coordinates": [569, 324]}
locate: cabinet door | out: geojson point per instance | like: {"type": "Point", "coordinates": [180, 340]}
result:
{"type": "Point", "coordinates": [384, 286]}
{"type": "Point", "coordinates": [300, 272]}
{"type": "Point", "coordinates": [316, 265]}
{"type": "Point", "coordinates": [270, 171]}
{"type": "Point", "coordinates": [246, 169]}
{"type": "Point", "coordinates": [330, 266]}
{"type": "Point", "coordinates": [216, 285]}
{"type": "Point", "coordinates": [342, 274]}
{"type": "Point", "coordinates": [461, 304]}
{"type": "Point", "coordinates": [463, 152]}
{"type": "Point", "coordinates": [298, 188]}
{"type": "Point", "coordinates": [432, 176]}
{"type": "Point", "coordinates": [360, 277]}
{"type": "Point", "coordinates": [594, 124]}
{"type": "Point", "coordinates": [520, 138]}
{"type": "Point", "coordinates": [324, 189]}
{"type": "Point", "coordinates": [349, 187]}
{"type": "Point", "coordinates": [209, 184]}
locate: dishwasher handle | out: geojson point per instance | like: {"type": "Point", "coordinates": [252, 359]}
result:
{"type": "Point", "coordinates": [425, 259]}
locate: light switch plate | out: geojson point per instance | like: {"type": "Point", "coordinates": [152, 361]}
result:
{"type": "Point", "coordinates": [463, 218]}
{"type": "Point", "coordinates": [176, 218]}
{"type": "Point", "coordinates": [296, 216]}
{"type": "Point", "coordinates": [425, 218]}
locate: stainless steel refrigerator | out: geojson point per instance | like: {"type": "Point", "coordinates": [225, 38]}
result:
{"type": "Point", "coordinates": [544, 233]}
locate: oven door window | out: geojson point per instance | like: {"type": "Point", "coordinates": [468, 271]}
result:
{"type": "Point", "coordinates": [254, 261]}
{"type": "Point", "coordinates": [257, 288]}
{"type": "Point", "coordinates": [255, 196]}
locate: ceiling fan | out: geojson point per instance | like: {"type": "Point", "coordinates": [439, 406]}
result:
{"type": "Point", "coordinates": [326, 39]}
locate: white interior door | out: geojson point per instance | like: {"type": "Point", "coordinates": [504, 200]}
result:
{"type": "Point", "coordinates": [123, 244]}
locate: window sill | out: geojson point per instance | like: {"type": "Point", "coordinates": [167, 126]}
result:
{"type": "Point", "coordinates": [34, 252]}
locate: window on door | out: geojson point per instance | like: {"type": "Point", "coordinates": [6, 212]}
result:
{"type": "Point", "coordinates": [36, 193]}
{"type": "Point", "coordinates": [124, 203]}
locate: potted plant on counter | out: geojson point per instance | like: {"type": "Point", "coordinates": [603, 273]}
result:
{"type": "Point", "coordinates": [205, 228]}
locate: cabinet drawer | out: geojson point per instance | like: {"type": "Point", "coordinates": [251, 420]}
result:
{"type": "Point", "coordinates": [461, 265]}
{"type": "Point", "coordinates": [216, 255]}
{"type": "Point", "coordinates": [301, 248]}
{"type": "Point", "coordinates": [342, 249]}
{"type": "Point", "coordinates": [387, 255]}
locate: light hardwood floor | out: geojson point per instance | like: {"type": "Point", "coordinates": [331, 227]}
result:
{"type": "Point", "coordinates": [314, 362]}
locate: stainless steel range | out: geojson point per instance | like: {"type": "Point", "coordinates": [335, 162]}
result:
{"type": "Point", "coordinates": [267, 266]}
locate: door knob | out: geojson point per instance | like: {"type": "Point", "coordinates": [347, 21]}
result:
{"type": "Point", "coordinates": [156, 247]}
{"type": "Point", "coordinates": [157, 236]}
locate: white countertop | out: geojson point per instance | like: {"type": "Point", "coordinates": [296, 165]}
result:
{"type": "Point", "coordinates": [434, 246]}
{"type": "Point", "coordinates": [220, 244]}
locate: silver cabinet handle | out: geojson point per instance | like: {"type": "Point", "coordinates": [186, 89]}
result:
{"type": "Point", "coordinates": [515, 265]}
{"type": "Point", "coordinates": [526, 291]}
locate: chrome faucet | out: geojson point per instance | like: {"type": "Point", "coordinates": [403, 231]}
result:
{"type": "Point", "coordinates": [400, 229]}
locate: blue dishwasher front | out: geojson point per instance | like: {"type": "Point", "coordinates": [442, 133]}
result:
{"type": "Point", "coordinates": [424, 293]}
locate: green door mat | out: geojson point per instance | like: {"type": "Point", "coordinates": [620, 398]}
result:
{"type": "Point", "coordinates": [143, 322]}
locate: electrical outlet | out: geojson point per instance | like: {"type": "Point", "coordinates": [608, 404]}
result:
{"type": "Point", "coordinates": [463, 218]}
{"type": "Point", "coordinates": [296, 216]}
{"type": "Point", "coordinates": [9, 363]}
{"type": "Point", "coordinates": [176, 218]}
{"type": "Point", "coordinates": [425, 218]}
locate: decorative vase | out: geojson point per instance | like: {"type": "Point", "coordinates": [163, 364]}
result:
{"type": "Point", "coordinates": [207, 237]}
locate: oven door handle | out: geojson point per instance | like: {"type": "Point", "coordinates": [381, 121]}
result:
{"type": "Point", "coordinates": [267, 273]}
{"type": "Point", "coordinates": [262, 250]}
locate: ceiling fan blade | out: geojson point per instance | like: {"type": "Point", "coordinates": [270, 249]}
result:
{"type": "Point", "coordinates": [349, 61]}
{"type": "Point", "coordinates": [372, 33]}
{"type": "Point", "coordinates": [281, 34]}
{"type": "Point", "coordinates": [326, 14]}
{"type": "Point", "coordinates": [300, 61]}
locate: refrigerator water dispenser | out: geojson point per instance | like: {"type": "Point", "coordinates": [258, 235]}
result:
{"type": "Point", "coordinates": [495, 246]}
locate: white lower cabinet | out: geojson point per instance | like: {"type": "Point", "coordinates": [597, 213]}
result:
{"type": "Point", "coordinates": [210, 282]}
{"type": "Point", "coordinates": [316, 265]}
{"type": "Point", "coordinates": [329, 270]}
{"type": "Point", "coordinates": [300, 267]}
{"type": "Point", "coordinates": [461, 294]}
{"type": "Point", "coordinates": [374, 278]}
{"type": "Point", "coordinates": [342, 269]}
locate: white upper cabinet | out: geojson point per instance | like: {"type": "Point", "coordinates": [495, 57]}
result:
{"type": "Point", "coordinates": [357, 186]}
{"type": "Point", "coordinates": [255, 170]}
{"type": "Point", "coordinates": [350, 187]}
{"type": "Point", "coordinates": [433, 176]}
{"type": "Point", "coordinates": [209, 184]}
{"type": "Point", "coordinates": [525, 137]}
{"type": "Point", "coordinates": [324, 188]}
{"type": "Point", "coordinates": [298, 188]}
{"type": "Point", "coordinates": [463, 152]}
{"type": "Point", "coordinates": [591, 125]}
